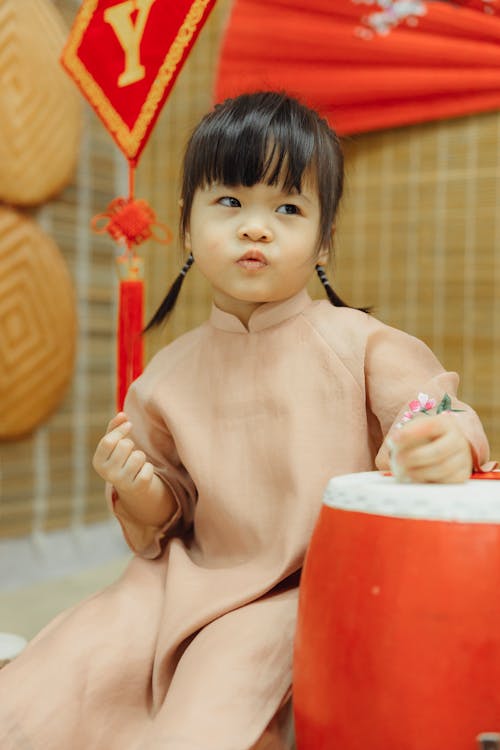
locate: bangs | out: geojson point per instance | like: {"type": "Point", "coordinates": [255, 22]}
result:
{"type": "Point", "coordinates": [263, 144]}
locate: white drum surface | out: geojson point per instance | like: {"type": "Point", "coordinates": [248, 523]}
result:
{"type": "Point", "coordinates": [475, 501]}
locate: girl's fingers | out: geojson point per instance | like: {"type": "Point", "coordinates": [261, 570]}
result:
{"type": "Point", "coordinates": [120, 454]}
{"type": "Point", "coordinates": [107, 445]}
{"type": "Point", "coordinates": [117, 420]}
{"type": "Point", "coordinates": [145, 474]}
{"type": "Point", "coordinates": [452, 471]}
{"type": "Point", "coordinates": [134, 475]}
{"type": "Point", "coordinates": [432, 449]}
{"type": "Point", "coordinates": [427, 454]}
{"type": "Point", "coordinates": [117, 460]}
{"type": "Point", "coordinates": [447, 459]}
{"type": "Point", "coordinates": [421, 431]}
{"type": "Point", "coordinates": [134, 464]}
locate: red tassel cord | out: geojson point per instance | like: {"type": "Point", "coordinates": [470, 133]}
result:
{"type": "Point", "coordinates": [130, 346]}
{"type": "Point", "coordinates": [129, 222]}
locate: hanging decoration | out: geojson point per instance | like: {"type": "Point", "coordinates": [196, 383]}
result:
{"type": "Point", "coordinates": [125, 57]}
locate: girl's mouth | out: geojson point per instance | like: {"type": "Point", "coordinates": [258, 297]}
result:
{"type": "Point", "coordinates": [253, 260]}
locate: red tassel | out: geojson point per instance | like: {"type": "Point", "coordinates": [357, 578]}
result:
{"type": "Point", "coordinates": [130, 222]}
{"type": "Point", "coordinates": [130, 351]}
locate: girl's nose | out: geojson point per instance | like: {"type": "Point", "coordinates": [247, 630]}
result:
{"type": "Point", "coordinates": [255, 231]}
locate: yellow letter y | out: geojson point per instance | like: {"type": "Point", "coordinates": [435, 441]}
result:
{"type": "Point", "coordinates": [129, 35]}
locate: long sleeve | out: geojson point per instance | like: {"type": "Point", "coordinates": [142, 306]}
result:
{"type": "Point", "coordinates": [151, 435]}
{"type": "Point", "coordinates": [398, 367]}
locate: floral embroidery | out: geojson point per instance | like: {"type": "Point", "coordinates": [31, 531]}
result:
{"type": "Point", "coordinates": [423, 404]}
{"type": "Point", "coordinates": [390, 13]}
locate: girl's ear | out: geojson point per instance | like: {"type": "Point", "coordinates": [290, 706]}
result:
{"type": "Point", "coordinates": [322, 258]}
{"type": "Point", "coordinates": [324, 253]}
{"type": "Point", "coordinates": [187, 236]}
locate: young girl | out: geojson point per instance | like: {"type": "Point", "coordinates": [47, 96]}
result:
{"type": "Point", "coordinates": [217, 467]}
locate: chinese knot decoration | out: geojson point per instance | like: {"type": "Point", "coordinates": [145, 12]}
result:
{"type": "Point", "coordinates": [130, 222]}
{"type": "Point", "coordinates": [125, 57]}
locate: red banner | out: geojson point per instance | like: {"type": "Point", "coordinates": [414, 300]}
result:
{"type": "Point", "coordinates": [366, 64]}
{"type": "Point", "coordinates": [125, 57]}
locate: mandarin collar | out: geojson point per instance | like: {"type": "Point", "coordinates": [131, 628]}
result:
{"type": "Point", "coordinates": [266, 315]}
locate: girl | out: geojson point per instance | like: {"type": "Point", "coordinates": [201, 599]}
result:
{"type": "Point", "coordinates": [217, 467]}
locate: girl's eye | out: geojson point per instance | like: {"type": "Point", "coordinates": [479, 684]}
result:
{"type": "Point", "coordinates": [228, 200]}
{"type": "Point", "coordinates": [288, 208]}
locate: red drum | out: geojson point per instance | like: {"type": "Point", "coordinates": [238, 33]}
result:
{"type": "Point", "coordinates": [398, 639]}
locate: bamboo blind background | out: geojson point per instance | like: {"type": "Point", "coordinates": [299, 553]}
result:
{"type": "Point", "coordinates": [417, 238]}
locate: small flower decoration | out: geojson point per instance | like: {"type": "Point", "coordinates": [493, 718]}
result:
{"type": "Point", "coordinates": [423, 404]}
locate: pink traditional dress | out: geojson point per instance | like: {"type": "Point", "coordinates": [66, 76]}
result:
{"type": "Point", "coordinates": [191, 649]}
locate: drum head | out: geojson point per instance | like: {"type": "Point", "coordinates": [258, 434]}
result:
{"type": "Point", "coordinates": [372, 492]}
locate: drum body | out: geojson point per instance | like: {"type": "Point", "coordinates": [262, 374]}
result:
{"type": "Point", "coordinates": [398, 639]}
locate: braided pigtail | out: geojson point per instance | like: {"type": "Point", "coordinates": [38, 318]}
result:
{"type": "Point", "coordinates": [168, 303]}
{"type": "Point", "coordinates": [332, 296]}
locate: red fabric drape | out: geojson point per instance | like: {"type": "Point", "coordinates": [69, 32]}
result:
{"type": "Point", "coordinates": [363, 65]}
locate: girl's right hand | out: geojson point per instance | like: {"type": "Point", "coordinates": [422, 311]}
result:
{"type": "Point", "coordinates": [117, 461]}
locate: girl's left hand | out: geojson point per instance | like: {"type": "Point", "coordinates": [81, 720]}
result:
{"type": "Point", "coordinates": [432, 449]}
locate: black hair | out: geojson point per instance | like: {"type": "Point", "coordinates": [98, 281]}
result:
{"type": "Point", "coordinates": [265, 137]}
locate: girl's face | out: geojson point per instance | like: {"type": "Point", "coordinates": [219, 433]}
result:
{"type": "Point", "coordinates": [254, 244]}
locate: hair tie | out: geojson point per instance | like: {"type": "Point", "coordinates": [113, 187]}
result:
{"type": "Point", "coordinates": [323, 277]}
{"type": "Point", "coordinates": [187, 265]}
{"type": "Point", "coordinates": [333, 296]}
